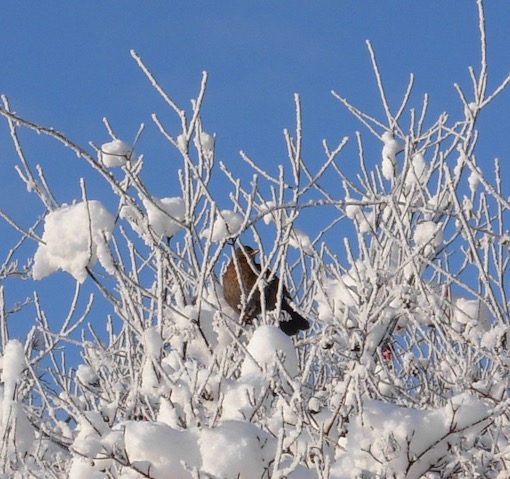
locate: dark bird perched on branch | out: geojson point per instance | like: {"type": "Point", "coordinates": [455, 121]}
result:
{"type": "Point", "coordinates": [243, 266]}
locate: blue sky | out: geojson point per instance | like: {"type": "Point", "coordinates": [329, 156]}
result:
{"type": "Point", "coordinates": [67, 65]}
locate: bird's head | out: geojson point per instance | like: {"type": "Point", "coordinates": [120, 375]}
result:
{"type": "Point", "coordinates": [247, 251]}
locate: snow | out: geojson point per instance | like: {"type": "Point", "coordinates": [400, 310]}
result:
{"type": "Point", "coordinates": [428, 236]}
{"type": "Point", "coordinates": [271, 356]}
{"type": "Point", "coordinates": [75, 237]}
{"type": "Point", "coordinates": [363, 217]}
{"type": "Point", "coordinates": [352, 211]}
{"type": "Point", "coordinates": [166, 451]}
{"type": "Point", "coordinates": [267, 344]}
{"type": "Point", "coordinates": [230, 450]}
{"type": "Point", "coordinates": [469, 317]}
{"type": "Point", "coordinates": [236, 449]}
{"type": "Point", "coordinates": [335, 296]}
{"type": "Point", "coordinates": [417, 171]}
{"type": "Point", "coordinates": [205, 143]}
{"type": "Point", "coordinates": [115, 153]}
{"type": "Point", "coordinates": [86, 375]}
{"type": "Point", "coordinates": [152, 342]}
{"type": "Point", "coordinates": [474, 181]}
{"type": "Point", "coordinates": [165, 215]}
{"type": "Point", "coordinates": [12, 362]}
{"type": "Point", "coordinates": [13, 420]}
{"type": "Point", "coordinates": [384, 438]}
{"type": "Point", "coordinates": [300, 240]}
{"type": "Point", "coordinates": [225, 225]}
{"type": "Point", "coordinates": [389, 152]}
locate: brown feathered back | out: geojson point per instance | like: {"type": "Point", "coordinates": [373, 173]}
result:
{"type": "Point", "coordinates": [243, 266]}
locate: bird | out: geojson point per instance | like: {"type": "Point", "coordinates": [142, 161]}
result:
{"type": "Point", "coordinates": [248, 290]}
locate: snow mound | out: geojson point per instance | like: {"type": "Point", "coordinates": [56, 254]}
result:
{"type": "Point", "coordinates": [225, 225]}
{"type": "Point", "coordinates": [230, 450]}
{"type": "Point", "coordinates": [205, 143]}
{"type": "Point", "coordinates": [269, 349]}
{"type": "Point", "coordinates": [389, 152]}
{"type": "Point", "coordinates": [387, 439]}
{"type": "Point", "coordinates": [165, 215]}
{"type": "Point", "coordinates": [267, 344]}
{"type": "Point", "coordinates": [75, 237]}
{"type": "Point", "coordinates": [15, 428]}
{"type": "Point", "coordinates": [165, 451]}
{"type": "Point", "coordinates": [429, 236]}
{"type": "Point", "coordinates": [236, 449]}
{"type": "Point", "coordinates": [115, 153]}
{"type": "Point", "coordinates": [300, 240]}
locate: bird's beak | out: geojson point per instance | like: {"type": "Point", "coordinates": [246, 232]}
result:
{"type": "Point", "coordinates": [254, 252]}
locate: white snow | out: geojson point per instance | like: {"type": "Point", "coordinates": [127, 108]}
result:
{"type": "Point", "coordinates": [205, 143]}
{"type": "Point", "coordinates": [168, 452]}
{"type": "Point", "coordinates": [352, 211]}
{"type": "Point", "coordinates": [300, 240]}
{"type": "Point", "coordinates": [470, 317]}
{"type": "Point", "coordinates": [86, 375]}
{"type": "Point", "coordinates": [265, 346]}
{"type": "Point", "coordinates": [389, 152]}
{"type": "Point", "coordinates": [429, 236]}
{"type": "Point", "coordinates": [115, 153]}
{"type": "Point", "coordinates": [474, 180]}
{"type": "Point", "coordinates": [232, 449]}
{"type": "Point", "coordinates": [75, 237]}
{"type": "Point", "coordinates": [268, 350]}
{"type": "Point", "coordinates": [236, 449]}
{"type": "Point", "coordinates": [152, 342]}
{"type": "Point", "coordinates": [363, 217]}
{"type": "Point", "coordinates": [15, 429]}
{"type": "Point", "coordinates": [334, 296]}
{"type": "Point", "coordinates": [266, 209]}
{"type": "Point", "coordinates": [384, 438]}
{"type": "Point", "coordinates": [12, 363]}
{"type": "Point", "coordinates": [225, 225]}
{"type": "Point", "coordinates": [165, 215]}
{"type": "Point", "coordinates": [417, 171]}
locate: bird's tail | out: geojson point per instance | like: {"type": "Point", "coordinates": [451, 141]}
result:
{"type": "Point", "coordinates": [295, 324]}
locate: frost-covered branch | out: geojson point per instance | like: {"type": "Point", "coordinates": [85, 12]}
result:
{"type": "Point", "coordinates": [401, 268]}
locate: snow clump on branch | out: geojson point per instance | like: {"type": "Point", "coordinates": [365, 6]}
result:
{"type": "Point", "coordinates": [75, 237]}
{"type": "Point", "coordinates": [115, 153]}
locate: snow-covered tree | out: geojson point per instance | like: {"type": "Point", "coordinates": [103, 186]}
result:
{"type": "Point", "coordinates": [403, 373]}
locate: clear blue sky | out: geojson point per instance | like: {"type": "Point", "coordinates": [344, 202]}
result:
{"type": "Point", "coordinates": [67, 64]}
